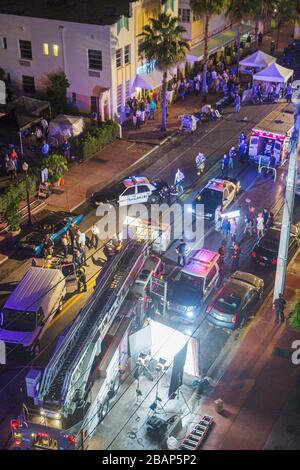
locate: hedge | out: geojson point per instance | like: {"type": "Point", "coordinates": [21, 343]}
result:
{"type": "Point", "coordinates": [97, 138]}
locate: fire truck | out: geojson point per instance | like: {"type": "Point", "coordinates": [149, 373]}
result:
{"type": "Point", "coordinates": [271, 137]}
{"type": "Point", "coordinates": [67, 401]}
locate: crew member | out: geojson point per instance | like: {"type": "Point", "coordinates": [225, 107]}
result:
{"type": "Point", "coordinates": [178, 180]}
{"type": "Point", "coordinates": [81, 278]}
{"type": "Point", "coordinates": [200, 163]}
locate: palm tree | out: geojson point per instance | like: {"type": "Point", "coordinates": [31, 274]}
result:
{"type": "Point", "coordinates": [207, 8]}
{"type": "Point", "coordinates": [239, 10]}
{"type": "Point", "coordinates": [163, 42]}
{"type": "Point", "coordinates": [261, 9]}
{"type": "Point", "coordinates": [286, 11]}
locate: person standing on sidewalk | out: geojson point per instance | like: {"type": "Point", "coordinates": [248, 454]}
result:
{"type": "Point", "coordinates": [233, 230]}
{"type": "Point", "coordinates": [237, 102]}
{"type": "Point", "coordinates": [265, 214]}
{"type": "Point", "coordinates": [226, 227]}
{"type": "Point", "coordinates": [65, 245]}
{"type": "Point", "coordinates": [235, 258]}
{"type": "Point", "coordinates": [72, 233]}
{"type": "Point", "coordinates": [225, 166]}
{"type": "Point", "coordinates": [95, 235]}
{"type": "Point", "coordinates": [260, 225]}
{"type": "Point", "coordinates": [181, 253]}
{"type": "Point", "coordinates": [278, 306]}
{"type": "Point", "coordinates": [289, 93]}
{"type": "Point", "coordinates": [232, 155]}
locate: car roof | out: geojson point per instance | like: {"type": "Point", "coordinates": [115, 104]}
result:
{"type": "Point", "coordinates": [200, 263]}
{"type": "Point", "coordinates": [246, 278]}
{"type": "Point", "coordinates": [135, 180]}
{"type": "Point", "coordinates": [236, 288]}
{"type": "Point", "coordinates": [218, 184]}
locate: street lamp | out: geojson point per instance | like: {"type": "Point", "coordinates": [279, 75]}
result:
{"type": "Point", "coordinates": [25, 167]}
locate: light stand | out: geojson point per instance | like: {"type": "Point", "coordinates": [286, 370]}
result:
{"type": "Point", "coordinates": [25, 167]}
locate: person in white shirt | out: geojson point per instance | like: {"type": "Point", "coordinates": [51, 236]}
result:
{"type": "Point", "coordinates": [277, 92]}
{"type": "Point", "coordinates": [95, 235]}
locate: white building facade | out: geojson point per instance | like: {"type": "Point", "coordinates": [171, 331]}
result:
{"type": "Point", "coordinates": [100, 62]}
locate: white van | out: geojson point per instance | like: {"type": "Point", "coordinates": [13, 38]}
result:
{"type": "Point", "coordinates": [30, 308]}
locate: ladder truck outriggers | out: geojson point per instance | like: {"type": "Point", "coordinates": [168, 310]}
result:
{"type": "Point", "coordinates": [72, 395]}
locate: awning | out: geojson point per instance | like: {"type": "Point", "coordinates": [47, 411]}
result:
{"type": "Point", "coordinates": [258, 60]}
{"type": "Point", "coordinates": [216, 42]}
{"type": "Point", "coordinates": [274, 73]}
{"type": "Point", "coordinates": [149, 81]}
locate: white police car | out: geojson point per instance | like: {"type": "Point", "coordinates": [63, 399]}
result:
{"type": "Point", "coordinates": [217, 192]}
{"type": "Point", "coordinates": [132, 190]}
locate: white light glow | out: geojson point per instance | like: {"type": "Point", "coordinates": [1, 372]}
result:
{"type": "Point", "coordinates": [167, 342]}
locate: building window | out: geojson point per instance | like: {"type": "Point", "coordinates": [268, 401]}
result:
{"type": "Point", "coordinates": [127, 54]}
{"type": "Point", "coordinates": [184, 15]}
{"type": "Point", "coordinates": [28, 85]}
{"type": "Point", "coordinates": [94, 107]}
{"type": "Point", "coordinates": [25, 49]}
{"type": "Point", "coordinates": [119, 97]}
{"type": "Point", "coordinates": [55, 50]}
{"type": "Point", "coordinates": [127, 89]}
{"type": "Point", "coordinates": [74, 97]}
{"type": "Point", "coordinates": [95, 59]}
{"type": "Point", "coordinates": [118, 58]}
{"type": "Point", "coordinates": [169, 4]}
{"type": "Point", "coordinates": [123, 22]}
{"type": "Point", "coordinates": [45, 48]}
{"type": "Point", "coordinates": [3, 43]}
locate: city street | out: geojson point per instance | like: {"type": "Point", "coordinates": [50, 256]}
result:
{"type": "Point", "coordinates": [214, 140]}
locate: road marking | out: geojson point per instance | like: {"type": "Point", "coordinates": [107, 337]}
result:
{"type": "Point", "coordinates": [73, 300]}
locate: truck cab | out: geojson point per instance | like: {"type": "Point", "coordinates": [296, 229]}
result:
{"type": "Point", "coordinates": [194, 284]}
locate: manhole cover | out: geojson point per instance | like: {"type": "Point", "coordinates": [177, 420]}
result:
{"type": "Point", "coordinates": [286, 353]}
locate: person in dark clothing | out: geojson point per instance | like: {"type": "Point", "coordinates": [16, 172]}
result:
{"type": "Point", "coordinates": [48, 246]}
{"type": "Point", "coordinates": [72, 234]}
{"type": "Point", "coordinates": [166, 196]}
{"type": "Point", "coordinates": [278, 306]}
{"type": "Point", "coordinates": [221, 263]}
{"type": "Point", "coordinates": [77, 259]}
{"type": "Point", "coordinates": [270, 221]}
{"type": "Point", "coordinates": [265, 215]}
{"type": "Point", "coordinates": [235, 258]}
{"type": "Point", "coordinates": [181, 253]}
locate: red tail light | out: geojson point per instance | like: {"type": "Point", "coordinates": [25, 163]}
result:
{"type": "Point", "coordinates": [209, 308]}
{"type": "Point", "coordinates": [253, 254]}
{"type": "Point", "coordinates": [234, 319]}
{"type": "Point", "coordinates": [14, 424]}
{"type": "Point", "coordinates": [274, 262]}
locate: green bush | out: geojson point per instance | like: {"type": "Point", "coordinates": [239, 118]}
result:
{"type": "Point", "coordinates": [9, 206]}
{"type": "Point", "coordinates": [294, 319]}
{"type": "Point", "coordinates": [57, 167]}
{"type": "Point", "coordinates": [97, 138]}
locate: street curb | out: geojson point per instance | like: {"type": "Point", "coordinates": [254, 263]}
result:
{"type": "Point", "coordinates": [139, 160]}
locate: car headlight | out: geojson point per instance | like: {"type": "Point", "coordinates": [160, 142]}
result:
{"type": "Point", "coordinates": [190, 311]}
{"type": "Point", "coordinates": [208, 214]}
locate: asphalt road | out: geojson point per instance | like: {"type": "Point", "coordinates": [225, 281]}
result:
{"type": "Point", "coordinates": [214, 140]}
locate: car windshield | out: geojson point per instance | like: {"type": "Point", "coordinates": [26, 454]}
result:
{"type": "Point", "coordinates": [193, 282]}
{"type": "Point", "coordinates": [209, 195]}
{"type": "Point", "coordinates": [18, 320]}
{"type": "Point", "coordinates": [227, 302]}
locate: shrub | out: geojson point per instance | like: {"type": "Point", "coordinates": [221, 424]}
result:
{"type": "Point", "coordinates": [9, 207]}
{"type": "Point", "coordinates": [97, 138]}
{"type": "Point", "coordinates": [57, 167]}
{"type": "Point", "coordinates": [294, 319]}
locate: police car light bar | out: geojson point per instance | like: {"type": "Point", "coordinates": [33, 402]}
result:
{"type": "Point", "coordinates": [231, 215]}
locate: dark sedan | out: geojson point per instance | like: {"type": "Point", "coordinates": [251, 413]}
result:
{"type": "Point", "coordinates": [265, 251]}
{"type": "Point", "coordinates": [235, 301]}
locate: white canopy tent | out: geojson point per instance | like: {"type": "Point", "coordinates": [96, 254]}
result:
{"type": "Point", "coordinates": [274, 73]}
{"type": "Point", "coordinates": [64, 126]}
{"type": "Point", "coordinates": [258, 60]}
{"type": "Point", "coordinates": [149, 81]}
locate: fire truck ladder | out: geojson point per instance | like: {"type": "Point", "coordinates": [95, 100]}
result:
{"type": "Point", "coordinates": [194, 439]}
{"type": "Point", "coordinates": [69, 367]}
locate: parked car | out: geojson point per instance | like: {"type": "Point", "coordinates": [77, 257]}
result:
{"type": "Point", "coordinates": [56, 224]}
{"type": "Point", "coordinates": [235, 301]}
{"type": "Point", "coordinates": [132, 190]}
{"type": "Point", "coordinates": [265, 251]}
{"type": "Point", "coordinates": [218, 192]}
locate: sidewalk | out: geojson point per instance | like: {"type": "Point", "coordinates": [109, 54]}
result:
{"type": "Point", "coordinates": [257, 383]}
